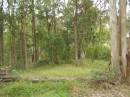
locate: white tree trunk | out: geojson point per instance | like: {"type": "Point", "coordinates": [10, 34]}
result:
{"type": "Point", "coordinates": [115, 59]}
{"type": "Point", "coordinates": [123, 35]}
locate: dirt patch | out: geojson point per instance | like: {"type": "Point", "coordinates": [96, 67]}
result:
{"type": "Point", "coordinates": [115, 91]}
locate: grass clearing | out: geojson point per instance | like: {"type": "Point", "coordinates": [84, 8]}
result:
{"type": "Point", "coordinates": [65, 70]}
{"type": "Point", "coordinates": [50, 88]}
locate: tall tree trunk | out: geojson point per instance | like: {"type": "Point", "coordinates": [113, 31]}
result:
{"type": "Point", "coordinates": [35, 56]}
{"type": "Point", "coordinates": [13, 34]}
{"type": "Point", "coordinates": [76, 31]}
{"type": "Point", "coordinates": [115, 58]}
{"type": "Point", "coordinates": [123, 36]}
{"type": "Point", "coordinates": [1, 34]}
{"type": "Point", "coordinates": [23, 51]}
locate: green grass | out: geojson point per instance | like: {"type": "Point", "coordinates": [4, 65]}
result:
{"type": "Point", "coordinates": [45, 89]}
{"type": "Point", "coordinates": [52, 89]}
{"type": "Point", "coordinates": [64, 70]}
{"type": "Point", "coordinates": [27, 89]}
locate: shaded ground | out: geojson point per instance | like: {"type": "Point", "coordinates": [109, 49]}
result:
{"type": "Point", "coordinates": [114, 91]}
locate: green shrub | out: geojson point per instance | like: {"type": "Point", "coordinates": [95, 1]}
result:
{"type": "Point", "coordinates": [98, 52]}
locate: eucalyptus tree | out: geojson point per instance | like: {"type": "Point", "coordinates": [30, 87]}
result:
{"type": "Point", "coordinates": [123, 30]}
{"type": "Point", "coordinates": [50, 29]}
{"type": "Point", "coordinates": [76, 40]}
{"type": "Point", "coordinates": [1, 33]}
{"type": "Point", "coordinates": [84, 24]}
{"type": "Point", "coordinates": [12, 29]}
{"type": "Point", "coordinates": [115, 59]}
{"type": "Point", "coordinates": [22, 33]}
{"type": "Point", "coordinates": [35, 51]}
{"type": "Point", "coordinates": [118, 37]}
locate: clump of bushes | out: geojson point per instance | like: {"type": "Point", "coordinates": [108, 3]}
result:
{"type": "Point", "coordinates": [98, 52]}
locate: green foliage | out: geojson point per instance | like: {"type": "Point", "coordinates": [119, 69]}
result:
{"type": "Point", "coordinates": [98, 52]}
{"type": "Point", "coordinates": [54, 27]}
{"type": "Point", "coordinates": [27, 89]}
{"type": "Point", "coordinates": [54, 47]}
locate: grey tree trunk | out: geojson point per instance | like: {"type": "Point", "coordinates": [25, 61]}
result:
{"type": "Point", "coordinates": [123, 36]}
{"type": "Point", "coordinates": [115, 59]}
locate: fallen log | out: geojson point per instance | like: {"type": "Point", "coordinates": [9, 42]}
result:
{"type": "Point", "coordinates": [5, 75]}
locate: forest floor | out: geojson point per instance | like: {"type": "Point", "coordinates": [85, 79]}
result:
{"type": "Point", "coordinates": [65, 80]}
{"type": "Point", "coordinates": [62, 89]}
{"type": "Point", "coordinates": [86, 70]}
{"type": "Point", "coordinates": [113, 91]}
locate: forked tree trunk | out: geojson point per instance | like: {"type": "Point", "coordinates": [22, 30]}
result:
{"type": "Point", "coordinates": [118, 37]}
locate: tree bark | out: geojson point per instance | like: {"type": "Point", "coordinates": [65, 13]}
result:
{"type": "Point", "coordinates": [115, 58]}
{"type": "Point", "coordinates": [76, 32]}
{"type": "Point", "coordinates": [23, 51]}
{"type": "Point", "coordinates": [35, 56]}
{"type": "Point", "coordinates": [123, 4]}
{"type": "Point", "coordinates": [13, 34]}
{"type": "Point", "coordinates": [1, 34]}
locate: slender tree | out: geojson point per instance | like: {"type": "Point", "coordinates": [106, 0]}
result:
{"type": "Point", "coordinates": [23, 48]}
{"type": "Point", "coordinates": [76, 31]}
{"type": "Point", "coordinates": [35, 56]}
{"type": "Point", "coordinates": [1, 33]}
{"type": "Point", "coordinates": [12, 26]}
